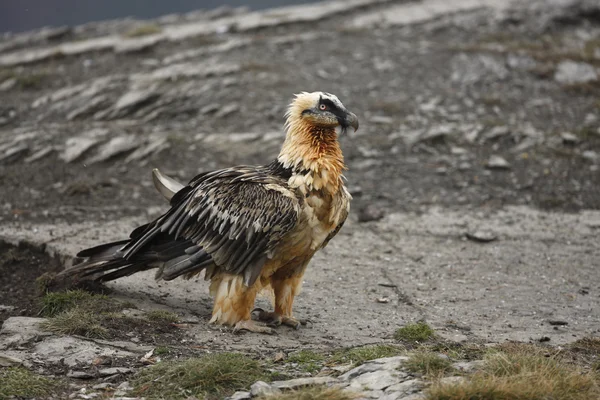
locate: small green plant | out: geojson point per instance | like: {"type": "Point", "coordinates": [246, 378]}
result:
{"type": "Point", "coordinates": [211, 376]}
{"type": "Point", "coordinates": [360, 355]}
{"type": "Point", "coordinates": [18, 382]}
{"type": "Point", "coordinates": [428, 364]}
{"type": "Point", "coordinates": [307, 360]}
{"type": "Point", "coordinates": [143, 30]}
{"type": "Point", "coordinates": [162, 316]}
{"type": "Point", "coordinates": [417, 332]}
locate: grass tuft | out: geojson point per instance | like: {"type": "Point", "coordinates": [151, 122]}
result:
{"type": "Point", "coordinates": [360, 355]}
{"type": "Point", "coordinates": [143, 30]}
{"type": "Point", "coordinates": [307, 360]}
{"type": "Point", "coordinates": [161, 350]}
{"type": "Point", "coordinates": [211, 376]}
{"type": "Point", "coordinates": [428, 364]}
{"type": "Point", "coordinates": [313, 393]}
{"type": "Point", "coordinates": [418, 332]}
{"type": "Point", "coordinates": [76, 321]}
{"type": "Point", "coordinates": [18, 382]}
{"type": "Point", "coordinates": [162, 316]}
{"type": "Point", "coordinates": [58, 302]}
{"type": "Point", "coordinates": [522, 372]}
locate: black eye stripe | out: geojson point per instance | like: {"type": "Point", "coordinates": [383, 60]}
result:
{"type": "Point", "coordinates": [328, 103]}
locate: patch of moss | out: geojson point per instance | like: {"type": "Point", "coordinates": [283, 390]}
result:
{"type": "Point", "coordinates": [418, 332]}
{"type": "Point", "coordinates": [162, 316]}
{"type": "Point", "coordinates": [55, 303]}
{"type": "Point", "coordinates": [307, 360]}
{"type": "Point", "coordinates": [143, 30]}
{"type": "Point", "coordinates": [18, 382]}
{"type": "Point", "coordinates": [162, 350]}
{"type": "Point", "coordinates": [31, 80]}
{"type": "Point", "coordinates": [313, 393]}
{"type": "Point", "coordinates": [211, 376]}
{"type": "Point", "coordinates": [76, 321]}
{"type": "Point", "coordinates": [360, 355]}
{"type": "Point", "coordinates": [458, 351]}
{"type": "Point", "coordinates": [428, 364]}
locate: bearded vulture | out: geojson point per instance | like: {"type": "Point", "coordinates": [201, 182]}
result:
{"type": "Point", "coordinates": [248, 228]}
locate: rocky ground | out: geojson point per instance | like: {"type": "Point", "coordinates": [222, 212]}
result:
{"type": "Point", "coordinates": [475, 172]}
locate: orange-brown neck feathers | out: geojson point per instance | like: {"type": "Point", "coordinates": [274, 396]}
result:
{"type": "Point", "coordinates": [311, 147]}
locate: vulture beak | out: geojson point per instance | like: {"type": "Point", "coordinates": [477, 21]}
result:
{"type": "Point", "coordinates": [352, 120]}
{"type": "Point", "coordinates": [165, 185]}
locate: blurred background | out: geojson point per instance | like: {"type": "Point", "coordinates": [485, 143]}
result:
{"type": "Point", "coordinates": [33, 14]}
{"type": "Point", "coordinates": [477, 104]}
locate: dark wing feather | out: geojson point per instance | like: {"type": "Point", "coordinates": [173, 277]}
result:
{"type": "Point", "coordinates": [236, 216]}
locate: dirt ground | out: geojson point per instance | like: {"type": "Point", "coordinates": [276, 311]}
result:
{"type": "Point", "coordinates": [472, 128]}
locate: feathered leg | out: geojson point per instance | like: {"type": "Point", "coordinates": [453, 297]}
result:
{"type": "Point", "coordinates": [233, 303]}
{"type": "Point", "coordinates": [285, 286]}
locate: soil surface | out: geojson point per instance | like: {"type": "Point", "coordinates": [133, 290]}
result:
{"type": "Point", "coordinates": [475, 172]}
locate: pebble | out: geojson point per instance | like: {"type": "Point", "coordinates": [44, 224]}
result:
{"type": "Point", "coordinates": [590, 155]}
{"type": "Point", "coordinates": [370, 213]}
{"type": "Point", "coordinates": [569, 138]}
{"type": "Point", "coordinates": [497, 162]}
{"type": "Point", "coordinates": [79, 375]}
{"type": "Point", "coordinates": [481, 236]}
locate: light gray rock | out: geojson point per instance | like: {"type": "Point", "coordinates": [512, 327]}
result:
{"type": "Point", "coordinates": [133, 100]}
{"type": "Point", "coordinates": [303, 382]}
{"type": "Point", "coordinates": [382, 120]}
{"type": "Point", "coordinates": [377, 380]}
{"type": "Point", "coordinates": [138, 44]}
{"type": "Point", "coordinates": [590, 155]}
{"type": "Point", "coordinates": [38, 155]}
{"type": "Point", "coordinates": [261, 388]}
{"type": "Point", "coordinates": [569, 138]}
{"type": "Point", "coordinates": [20, 330]}
{"type": "Point", "coordinates": [520, 62]}
{"type": "Point", "coordinates": [102, 386]}
{"type": "Point", "coordinates": [240, 396]}
{"type": "Point", "coordinates": [452, 380]}
{"type": "Point", "coordinates": [495, 133]}
{"type": "Point", "coordinates": [115, 146]}
{"type": "Point", "coordinates": [9, 361]}
{"type": "Point", "coordinates": [414, 396]}
{"type": "Point", "coordinates": [14, 153]}
{"type": "Point", "coordinates": [468, 69]}
{"type": "Point", "coordinates": [571, 72]}
{"type": "Point", "coordinates": [79, 375]}
{"type": "Point", "coordinates": [497, 162]}
{"type": "Point", "coordinates": [406, 387]}
{"type": "Point", "coordinates": [74, 351]}
{"type": "Point", "coordinates": [227, 110]}
{"type": "Point", "coordinates": [75, 147]}
{"type": "Point", "coordinates": [89, 107]}
{"type": "Point", "coordinates": [154, 147]}
{"type": "Point", "coordinates": [8, 84]}
{"type": "Point", "coordinates": [114, 371]}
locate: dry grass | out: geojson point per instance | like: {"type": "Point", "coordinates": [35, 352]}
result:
{"type": "Point", "coordinates": [418, 332]}
{"type": "Point", "coordinates": [19, 382]}
{"type": "Point", "coordinates": [313, 393]}
{"type": "Point", "coordinates": [211, 376]}
{"type": "Point", "coordinates": [522, 372]}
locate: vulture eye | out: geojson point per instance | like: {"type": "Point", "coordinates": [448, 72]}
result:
{"type": "Point", "coordinates": [322, 107]}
